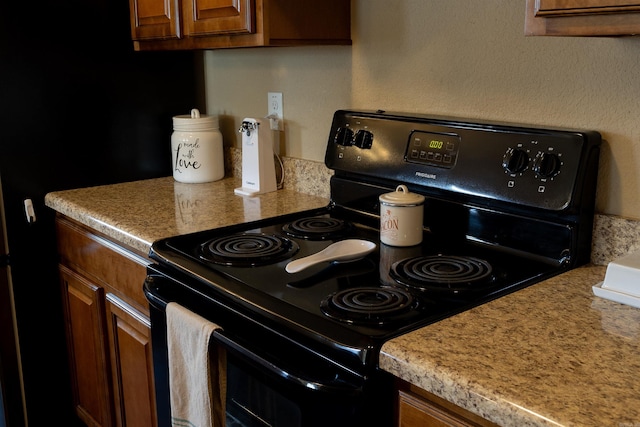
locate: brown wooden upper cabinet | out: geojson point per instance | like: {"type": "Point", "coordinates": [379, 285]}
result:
{"type": "Point", "coordinates": [582, 18]}
{"type": "Point", "coordinates": [216, 24]}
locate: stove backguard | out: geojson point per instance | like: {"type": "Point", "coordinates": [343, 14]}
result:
{"type": "Point", "coordinates": [523, 188]}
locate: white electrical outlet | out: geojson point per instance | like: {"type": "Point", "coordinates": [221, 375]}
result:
{"type": "Point", "coordinates": [276, 114]}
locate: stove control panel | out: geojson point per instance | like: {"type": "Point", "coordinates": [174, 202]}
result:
{"type": "Point", "coordinates": [434, 149]}
{"type": "Point", "coordinates": [535, 167]}
{"type": "Point", "coordinates": [345, 136]}
{"type": "Point", "coordinates": [515, 160]}
{"type": "Point", "coordinates": [545, 165]}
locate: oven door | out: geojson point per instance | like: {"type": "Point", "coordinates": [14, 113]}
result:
{"type": "Point", "coordinates": [271, 380]}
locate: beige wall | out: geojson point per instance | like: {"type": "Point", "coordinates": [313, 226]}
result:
{"type": "Point", "coordinates": [467, 58]}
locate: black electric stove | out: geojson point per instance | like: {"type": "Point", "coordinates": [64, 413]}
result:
{"type": "Point", "coordinates": [506, 206]}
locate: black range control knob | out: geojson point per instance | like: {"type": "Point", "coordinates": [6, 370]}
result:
{"type": "Point", "coordinates": [363, 139]}
{"type": "Point", "coordinates": [344, 136]}
{"type": "Point", "coordinates": [515, 160]}
{"type": "Point", "coordinates": [546, 165]}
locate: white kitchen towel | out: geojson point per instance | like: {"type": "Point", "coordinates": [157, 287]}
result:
{"type": "Point", "coordinates": [197, 370]}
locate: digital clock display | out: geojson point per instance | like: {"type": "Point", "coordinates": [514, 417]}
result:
{"type": "Point", "coordinates": [436, 149]}
{"type": "Point", "coordinates": [437, 144]}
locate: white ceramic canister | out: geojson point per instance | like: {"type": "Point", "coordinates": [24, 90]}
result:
{"type": "Point", "coordinates": [196, 148]}
{"type": "Point", "coordinates": [401, 217]}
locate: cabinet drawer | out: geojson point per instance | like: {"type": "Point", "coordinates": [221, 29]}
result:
{"type": "Point", "coordinates": [119, 270]}
{"type": "Point", "coordinates": [419, 408]}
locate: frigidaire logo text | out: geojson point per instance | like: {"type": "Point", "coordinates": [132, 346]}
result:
{"type": "Point", "coordinates": [426, 175]}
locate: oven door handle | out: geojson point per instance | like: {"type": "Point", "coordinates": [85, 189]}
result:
{"type": "Point", "coordinates": [160, 291]}
{"type": "Point", "coordinates": [222, 339]}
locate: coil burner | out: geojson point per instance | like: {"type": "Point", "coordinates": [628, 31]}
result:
{"type": "Point", "coordinates": [443, 274]}
{"type": "Point", "coordinates": [318, 228]}
{"type": "Point", "coordinates": [248, 249]}
{"type": "Point", "coordinates": [369, 305]}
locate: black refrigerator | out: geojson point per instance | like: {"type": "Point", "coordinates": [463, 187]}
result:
{"type": "Point", "coordinates": [78, 107]}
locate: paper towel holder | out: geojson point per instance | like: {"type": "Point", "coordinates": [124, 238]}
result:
{"type": "Point", "coordinates": [621, 283]}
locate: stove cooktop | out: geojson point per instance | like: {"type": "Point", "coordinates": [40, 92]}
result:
{"type": "Point", "coordinates": [505, 207]}
{"type": "Point", "coordinates": [389, 291]}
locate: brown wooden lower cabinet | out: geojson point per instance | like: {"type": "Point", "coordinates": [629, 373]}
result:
{"type": "Point", "coordinates": [132, 361]}
{"type": "Point", "coordinates": [84, 305]}
{"type": "Point", "coordinates": [108, 328]}
{"type": "Point", "coordinates": [419, 408]}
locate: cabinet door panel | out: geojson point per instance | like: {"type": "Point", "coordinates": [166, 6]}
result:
{"type": "Point", "coordinates": [210, 17]}
{"type": "Point", "coordinates": [87, 347]}
{"type": "Point", "coordinates": [129, 339]}
{"type": "Point", "coordinates": [154, 19]}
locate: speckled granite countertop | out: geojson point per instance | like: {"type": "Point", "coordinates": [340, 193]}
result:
{"type": "Point", "coordinates": [140, 212]}
{"type": "Point", "coordinates": [549, 355]}
{"type": "Point", "coordinates": [552, 354]}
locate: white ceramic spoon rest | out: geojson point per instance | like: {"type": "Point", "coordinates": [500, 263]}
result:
{"type": "Point", "coordinates": [344, 250]}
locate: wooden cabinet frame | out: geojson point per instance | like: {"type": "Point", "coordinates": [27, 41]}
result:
{"type": "Point", "coordinates": [418, 408]}
{"type": "Point", "coordinates": [582, 17]}
{"type": "Point", "coordinates": [217, 24]}
{"type": "Point", "coordinates": [108, 328]}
